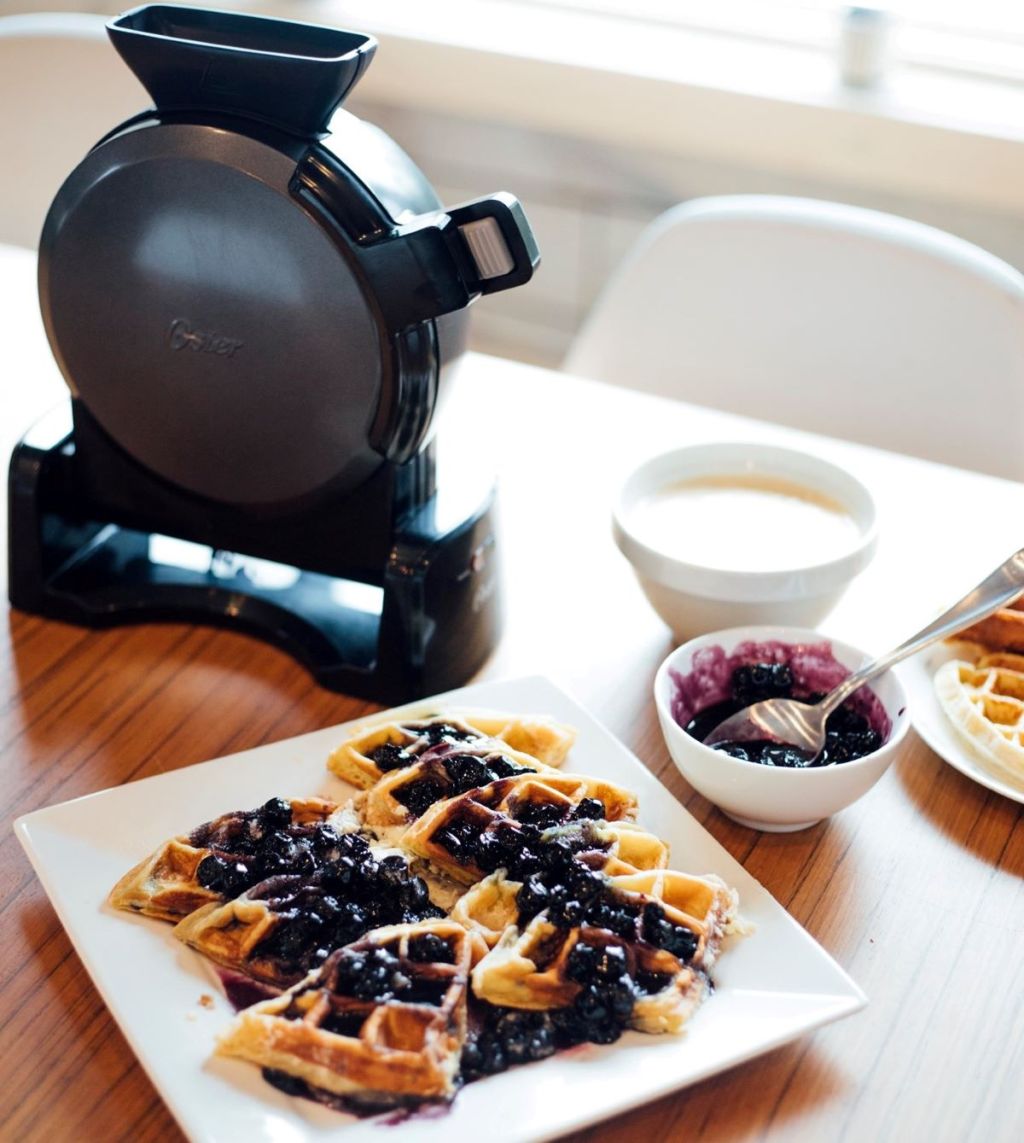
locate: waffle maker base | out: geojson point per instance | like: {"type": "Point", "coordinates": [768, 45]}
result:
{"type": "Point", "coordinates": [400, 602]}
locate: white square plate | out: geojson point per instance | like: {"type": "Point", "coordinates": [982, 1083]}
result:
{"type": "Point", "coordinates": [771, 986]}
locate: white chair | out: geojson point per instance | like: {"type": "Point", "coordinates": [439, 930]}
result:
{"type": "Point", "coordinates": [62, 88]}
{"type": "Point", "coordinates": [824, 317]}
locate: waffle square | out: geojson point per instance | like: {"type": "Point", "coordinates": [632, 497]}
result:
{"type": "Point", "coordinates": [381, 745]}
{"type": "Point", "coordinates": [461, 836]}
{"type": "Point", "coordinates": [169, 884]}
{"type": "Point", "coordinates": [383, 1020]}
{"type": "Point", "coordinates": [277, 931]}
{"type": "Point", "coordinates": [984, 702]}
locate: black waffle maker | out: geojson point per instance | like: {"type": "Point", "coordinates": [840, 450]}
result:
{"type": "Point", "coordinates": [256, 301]}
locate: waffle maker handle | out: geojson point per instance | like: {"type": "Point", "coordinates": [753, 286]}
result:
{"type": "Point", "coordinates": [293, 76]}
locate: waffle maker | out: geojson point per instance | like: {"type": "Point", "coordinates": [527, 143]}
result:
{"type": "Point", "coordinates": [256, 301]}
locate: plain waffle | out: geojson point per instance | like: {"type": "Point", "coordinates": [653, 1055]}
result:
{"type": "Point", "coordinates": [383, 1020]}
{"type": "Point", "coordinates": [984, 702]}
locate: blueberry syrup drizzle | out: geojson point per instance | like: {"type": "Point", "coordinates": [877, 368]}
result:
{"type": "Point", "coordinates": [400, 1109]}
{"type": "Point", "coordinates": [719, 686]}
{"type": "Point", "coordinates": [242, 991]}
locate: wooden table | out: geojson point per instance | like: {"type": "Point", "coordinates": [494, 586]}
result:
{"type": "Point", "coordinates": [916, 890]}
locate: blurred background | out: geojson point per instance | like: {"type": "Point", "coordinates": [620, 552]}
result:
{"type": "Point", "coordinates": [600, 114]}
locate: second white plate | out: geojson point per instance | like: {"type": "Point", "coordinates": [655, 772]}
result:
{"type": "Point", "coordinates": [931, 724]}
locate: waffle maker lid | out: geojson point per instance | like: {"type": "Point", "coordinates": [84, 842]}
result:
{"type": "Point", "coordinates": [254, 313]}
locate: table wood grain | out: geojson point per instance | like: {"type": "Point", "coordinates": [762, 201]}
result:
{"type": "Point", "coordinates": [916, 890]}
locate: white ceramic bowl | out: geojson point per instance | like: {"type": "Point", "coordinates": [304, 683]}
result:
{"type": "Point", "coordinates": [692, 597]}
{"type": "Point", "coordinates": [763, 797]}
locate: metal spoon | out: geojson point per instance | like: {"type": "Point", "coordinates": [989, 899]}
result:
{"type": "Point", "coordinates": [802, 724]}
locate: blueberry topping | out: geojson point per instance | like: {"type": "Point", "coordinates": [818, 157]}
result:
{"type": "Point", "coordinates": [525, 1036]}
{"type": "Point", "coordinates": [223, 875]}
{"type": "Point", "coordinates": [390, 756]}
{"type": "Point", "coordinates": [649, 983]}
{"type": "Point", "coordinates": [344, 1023]}
{"type": "Point", "coordinates": [338, 904]}
{"type": "Point", "coordinates": [603, 1010]}
{"type": "Point", "coordinates": [615, 916]}
{"type": "Point", "coordinates": [539, 813]}
{"type": "Point", "coordinates": [430, 949]}
{"type": "Point", "coordinates": [583, 882]}
{"type": "Point", "coordinates": [589, 808]}
{"type": "Point", "coordinates": [419, 796]}
{"type": "Point", "coordinates": [663, 934]}
{"type": "Point", "coordinates": [503, 767]}
{"type": "Point", "coordinates": [532, 897]}
{"type": "Point", "coordinates": [438, 732]}
{"type": "Point", "coordinates": [422, 991]}
{"type": "Point", "coordinates": [275, 814]}
{"type": "Point", "coordinates": [483, 1056]}
{"type": "Point", "coordinates": [460, 838]}
{"type": "Point", "coordinates": [591, 964]}
{"type": "Point", "coordinates": [366, 975]}
{"type": "Point", "coordinates": [564, 910]}
{"type": "Point", "coordinates": [467, 772]}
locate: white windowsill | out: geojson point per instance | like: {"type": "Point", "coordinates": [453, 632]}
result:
{"type": "Point", "coordinates": [686, 93]}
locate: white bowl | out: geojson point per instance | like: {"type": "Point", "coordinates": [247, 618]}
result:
{"type": "Point", "coordinates": [694, 598]}
{"type": "Point", "coordinates": [764, 797]}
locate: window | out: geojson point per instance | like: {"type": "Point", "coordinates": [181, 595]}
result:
{"type": "Point", "coordinates": [981, 37]}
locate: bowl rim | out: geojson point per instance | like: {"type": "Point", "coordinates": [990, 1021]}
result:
{"type": "Point", "coordinates": [732, 585]}
{"type": "Point", "coordinates": [900, 720]}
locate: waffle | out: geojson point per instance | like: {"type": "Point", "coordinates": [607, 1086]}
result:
{"type": "Point", "coordinates": [383, 1020]}
{"type": "Point", "coordinates": [614, 848]}
{"type": "Point", "coordinates": [169, 883]}
{"type": "Point", "coordinates": [531, 970]}
{"type": "Point", "coordinates": [381, 745]}
{"type": "Point", "coordinates": [668, 927]}
{"type": "Point", "coordinates": [464, 835]}
{"type": "Point", "coordinates": [984, 702]}
{"type": "Point", "coordinates": [440, 772]}
{"type": "Point", "coordinates": [1002, 631]}
{"type": "Point", "coordinates": [278, 930]}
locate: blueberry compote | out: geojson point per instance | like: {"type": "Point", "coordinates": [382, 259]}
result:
{"type": "Point", "coordinates": [848, 734]}
{"type": "Point", "coordinates": [335, 906]}
{"type": "Point", "coordinates": [445, 774]}
{"type": "Point", "coordinates": [249, 846]}
{"type": "Point", "coordinates": [611, 975]}
{"type": "Point", "coordinates": [424, 736]}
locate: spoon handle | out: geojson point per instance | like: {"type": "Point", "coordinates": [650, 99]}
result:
{"type": "Point", "coordinates": [1004, 584]}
